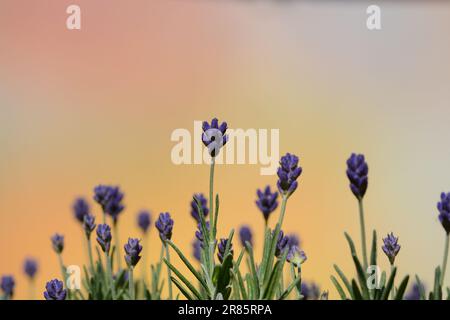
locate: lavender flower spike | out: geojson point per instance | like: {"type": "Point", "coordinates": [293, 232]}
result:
{"type": "Point", "coordinates": [57, 243]}
{"type": "Point", "coordinates": [266, 201]}
{"type": "Point", "coordinates": [293, 240]}
{"type": "Point", "coordinates": [144, 220]}
{"type": "Point", "coordinates": [245, 235]}
{"type": "Point", "coordinates": [104, 237]}
{"type": "Point", "coordinates": [196, 249]}
{"type": "Point", "coordinates": [203, 202]}
{"type": "Point", "coordinates": [214, 137]}
{"type": "Point", "coordinates": [288, 173]}
{"type": "Point", "coordinates": [132, 252]}
{"type": "Point", "coordinates": [444, 211]}
{"type": "Point", "coordinates": [357, 171]}
{"type": "Point", "coordinates": [110, 198]}
{"type": "Point", "coordinates": [54, 290]}
{"type": "Point", "coordinates": [391, 247]}
{"type": "Point", "coordinates": [282, 243]}
{"type": "Point", "coordinates": [7, 285]}
{"type": "Point", "coordinates": [221, 249]}
{"type": "Point", "coordinates": [88, 224]}
{"type": "Point", "coordinates": [80, 209]}
{"type": "Point", "coordinates": [164, 224]}
{"type": "Point", "coordinates": [30, 267]}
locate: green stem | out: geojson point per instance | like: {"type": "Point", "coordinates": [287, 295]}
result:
{"type": "Point", "coordinates": [444, 262]}
{"type": "Point", "coordinates": [393, 284]}
{"type": "Point", "coordinates": [110, 276]}
{"type": "Point", "coordinates": [363, 233]}
{"type": "Point", "coordinates": [169, 273]}
{"type": "Point", "coordinates": [117, 241]}
{"type": "Point", "coordinates": [91, 260]}
{"type": "Point", "coordinates": [211, 197]}
{"type": "Point", "coordinates": [144, 258]}
{"type": "Point", "coordinates": [31, 292]}
{"type": "Point", "coordinates": [131, 283]}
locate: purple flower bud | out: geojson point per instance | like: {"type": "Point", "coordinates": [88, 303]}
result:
{"type": "Point", "coordinates": [310, 291]}
{"type": "Point", "coordinates": [7, 285]}
{"type": "Point", "coordinates": [293, 240]}
{"type": "Point", "coordinates": [88, 224]}
{"type": "Point", "coordinates": [110, 198]}
{"type": "Point", "coordinates": [104, 237]}
{"type": "Point", "coordinates": [221, 249]}
{"type": "Point", "coordinates": [245, 235]}
{"type": "Point", "coordinates": [196, 249]}
{"type": "Point", "coordinates": [214, 137]}
{"type": "Point", "coordinates": [57, 243]}
{"type": "Point", "coordinates": [132, 252]}
{"type": "Point", "coordinates": [203, 202]}
{"type": "Point", "coordinates": [296, 256]}
{"type": "Point", "coordinates": [199, 233]}
{"type": "Point", "coordinates": [357, 171]}
{"type": "Point", "coordinates": [266, 201]}
{"type": "Point", "coordinates": [80, 209]}
{"type": "Point", "coordinates": [282, 244]}
{"type": "Point", "coordinates": [288, 173]}
{"type": "Point", "coordinates": [164, 224]}
{"type": "Point", "coordinates": [144, 220]}
{"type": "Point", "coordinates": [444, 211]}
{"type": "Point", "coordinates": [414, 292]}
{"type": "Point", "coordinates": [30, 267]}
{"type": "Point", "coordinates": [391, 247]}
{"type": "Point", "coordinates": [54, 290]}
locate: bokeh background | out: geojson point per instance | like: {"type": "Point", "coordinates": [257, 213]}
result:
{"type": "Point", "coordinates": [79, 108]}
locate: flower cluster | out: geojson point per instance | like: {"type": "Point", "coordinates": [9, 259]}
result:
{"type": "Point", "coordinates": [266, 202]}
{"type": "Point", "coordinates": [199, 201]}
{"type": "Point", "coordinates": [391, 247]}
{"type": "Point", "coordinates": [164, 224]}
{"type": "Point", "coordinates": [132, 252]}
{"type": "Point", "coordinates": [110, 199]}
{"type": "Point", "coordinates": [288, 173]}
{"type": "Point", "coordinates": [357, 171]}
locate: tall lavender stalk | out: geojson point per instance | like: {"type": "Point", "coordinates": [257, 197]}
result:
{"type": "Point", "coordinates": [104, 240]}
{"type": "Point", "coordinates": [391, 249]}
{"type": "Point", "coordinates": [444, 217]}
{"type": "Point", "coordinates": [144, 220]}
{"type": "Point", "coordinates": [132, 256]}
{"type": "Point", "coordinates": [357, 173]}
{"type": "Point", "coordinates": [30, 268]}
{"type": "Point", "coordinates": [164, 224]}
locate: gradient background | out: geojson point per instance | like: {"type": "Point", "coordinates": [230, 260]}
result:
{"type": "Point", "coordinates": [79, 108]}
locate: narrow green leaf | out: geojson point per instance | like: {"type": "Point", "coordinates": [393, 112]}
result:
{"type": "Point", "coordinates": [345, 281]}
{"type": "Point", "coordinates": [183, 279]}
{"type": "Point", "coordinates": [182, 289]}
{"type": "Point", "coordinates": [338, 288]}
{"type": "Point", "coordinates": [389, 285]}
{"type": "Point", "coordinates": [401, 288]}
{"type": "Point", "coordinates": [356, 290]}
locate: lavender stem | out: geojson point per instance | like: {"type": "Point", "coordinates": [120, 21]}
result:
{"type": "Point", "coordinates": [363, 233]}
{"type": "Point", "coordinates": [444, 262]}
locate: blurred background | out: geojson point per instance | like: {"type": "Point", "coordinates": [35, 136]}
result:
{"type": "Point", "coordinates": [79, 108]}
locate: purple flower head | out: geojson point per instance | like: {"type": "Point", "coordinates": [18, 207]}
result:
{"type": "Point", "coordinates": [202, 202]}
{"type": "Point", "coordinates": [414, 292]}
{"type": "Point", "coordinates": [391, 247]}
{"type": "Point", "coordinates": [196, 249]}
{"type": "Point", "coordinates": [30, 267]}
{"type": "Point", "coordinates": [266, 201]}
{"type": "Point", "coordinates": [132, 252]}
{"type": "Point", "coordinates": [222, 247]}
{"type": "Point", "coordinates": [88, 224]}
{"type": "Point", "coordinates": [110, 198]}
{"type": "Point", "coordinates": [245, 235]}
{"type": "Point", "coordinates": [80, 209]}
{"type": "Point", "coordinates": [296, 256]}
{"type": "Point", "coordinates": [104, 237]}
{"type": "Point", "coordinates": [54, 290]}
{"type": "Point", "coordinates": [57, 242]}
{"type": "Point", "coordinates": [214, 137]}
{"type": "Point", "coordinates": [357, 171]}
{"type": "Point", "coordinates": [7, 285]}
{"type": "Point", "coordinates": [310, 291]}
{"type": "Point", "coordinates": [282, 243]}
{"type": "Point", "coordinates": [288, 173]}
{"type": "Point", "coordinates": [199, 234]}
{"type": "Point", "coordinates": [293, 240]}
{"type": "Point", "coordinates": [164, 224]}
{"type": "Point", "coordinates": [144, 220]}
{"type": "Point", "coordinates": [444, 211]}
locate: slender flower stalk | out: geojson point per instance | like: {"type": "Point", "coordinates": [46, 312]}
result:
{"type": "Point", "coordinates": [357, 173]}
{"type": "Point", "coordinates": [164, 224]}
{"type": "Point", "coordinates": [104, 240]}
{"type": "Point", "coordinates": [89, 226]}
{"type": "Point", "coordinates": [30, 268]}
{"type": "Point", "coordinates": [132, 256]}
{"type": "Point", "coordinates": [144, 220]}
{"type": "Point", "coordinates": [117, 245]}
{"type": "Point", "coordinates": [444, 217]}
{"type": "Point", "coordinates": [391, 249]}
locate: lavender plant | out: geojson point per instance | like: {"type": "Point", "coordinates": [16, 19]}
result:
{"type": "Point", "coordinates": [217, 263]}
